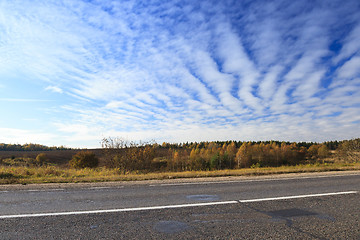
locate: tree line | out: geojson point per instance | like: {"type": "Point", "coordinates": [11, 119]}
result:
{"type": "Point", "coordinates": [131, 156]}
{"type": "Point", "coordinates": [29, 147]}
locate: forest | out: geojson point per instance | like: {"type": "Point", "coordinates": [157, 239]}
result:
{"type": "Point", "coordinates": [130, 156]}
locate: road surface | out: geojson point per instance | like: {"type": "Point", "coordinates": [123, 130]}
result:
{"type": "Point", "coordinates": [309, 206]}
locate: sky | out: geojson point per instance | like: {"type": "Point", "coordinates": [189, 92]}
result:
{"type": "Point", "coordinates": [73, 72]}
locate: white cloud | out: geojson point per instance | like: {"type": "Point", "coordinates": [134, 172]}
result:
{"type": "Point", "coordinates": [236, 62]}
{"type": "Point", "coordinates": [350, 69]}
{"type": "Point", "coordinates": [309, 85]}
{"type": "Point", "coordinates": [269, 84]}
{"type": "Point", "coordinates": [351, 45]}
{"type": "Point", "coordinates": [54, 89]}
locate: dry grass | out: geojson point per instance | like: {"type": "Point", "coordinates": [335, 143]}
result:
{"type": "Point", "coordinates": [52, 174]}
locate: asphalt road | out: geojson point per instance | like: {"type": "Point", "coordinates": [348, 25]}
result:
{"type": "Point", "coordinates": [311, 206]}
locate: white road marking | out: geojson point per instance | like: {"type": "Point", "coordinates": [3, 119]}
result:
{"type": "Point", "coordinates": [43, 190]}
{"type": "Point", "coordinates": [169, 206]}
{"type": "Point", "coordinates": [251, 180]}
{"type": "Point", "coordinates": [96, 188]}
{"type": "Point", "coordinates": [117, 210]}
{"type": "Point", "coordinates": [295, 197]}
{"type": "Point", "coordinates": [99, 188]}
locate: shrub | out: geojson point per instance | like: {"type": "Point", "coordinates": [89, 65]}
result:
{"type": "Point", "coordinates": [349, 150]}
{"type": "Point", "coordinates": [323, 151]}
{"type": "Point", "coordinates": [41, 159]}
{"type": "Point", "coordinates": [84, 159]}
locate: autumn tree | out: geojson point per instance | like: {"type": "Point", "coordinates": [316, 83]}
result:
{"type": "Point", "coordinates": [231, 153]}
{"type": "Point", "coordinates": [313, 151]}
{"type": "Point", "coordinates": [323, 151]}
{"type": "Point", "coordinates": [195, 159]}
{"type": "Point", "coordinates": [176, 161]}
{"type": "Point", "coordinates": [243, 155]}
{"type": "Point", "coordinates": [275, 154]}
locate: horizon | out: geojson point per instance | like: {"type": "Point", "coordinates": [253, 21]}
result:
{"type": "Point", "coordinates": [73, 72]}
{"type": "Point", "coordinates": [170, 144]}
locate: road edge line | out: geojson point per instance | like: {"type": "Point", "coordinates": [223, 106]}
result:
{"type": "Point", "coordinates": [297, 196]}
{"type": "Point", "coordinates": [117, 210]}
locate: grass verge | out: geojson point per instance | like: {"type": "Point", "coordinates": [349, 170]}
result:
{"type": "Point", "coordinates": [28, 175]}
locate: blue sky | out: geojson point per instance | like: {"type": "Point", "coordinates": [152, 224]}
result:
{"type": "Point", "coordinates": [73, 72]}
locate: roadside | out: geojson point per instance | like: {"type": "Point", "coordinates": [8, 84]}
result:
{"type": "Point", "coordinates": [201, 180]}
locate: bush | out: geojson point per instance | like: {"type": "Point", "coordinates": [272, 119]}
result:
{"type": "Point", "coordinates": [323, 151]}
{"type": "Point", "coordinates": [349, 150]}
{"type": "Point", "coordinates": [84, 159]}
{"type": "Point", "coordinates": [41, 159]}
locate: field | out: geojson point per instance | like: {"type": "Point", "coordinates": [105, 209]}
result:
{"type": "Point", "coordinates": [17, 167]}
